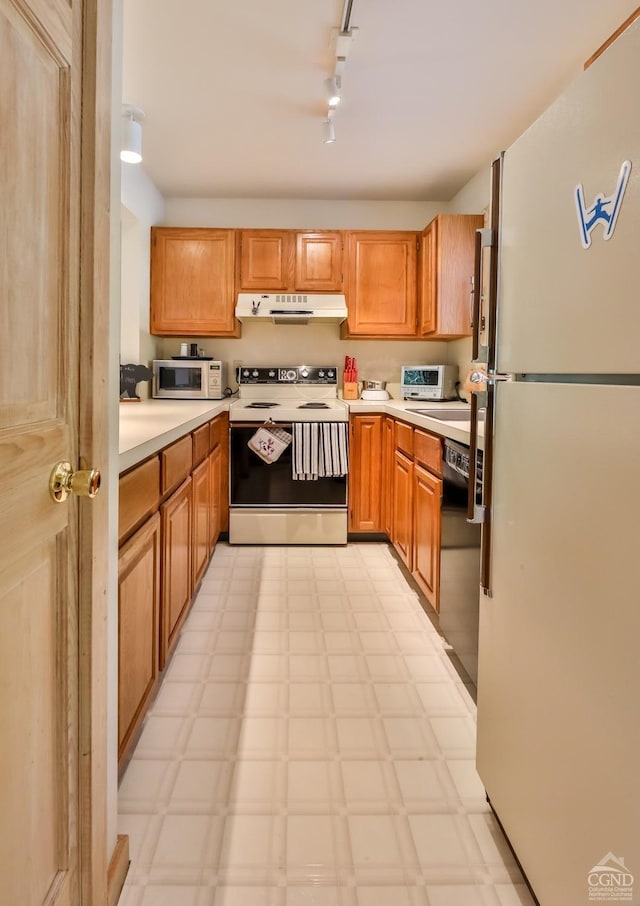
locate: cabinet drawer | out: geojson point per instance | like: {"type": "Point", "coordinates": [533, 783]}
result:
{"type": "Point", "coordinates": [404, 438]}
{"type": "Point", "coordinates": [200, 439]}
{"type": "Point", "coordinates": [176, 463]}
{"type": "Point", "coordinates": [427, 449]}
{"type": "Point", "coordinates": [218, 431]}
{"type": "Point", "coordinates": [139, 495]}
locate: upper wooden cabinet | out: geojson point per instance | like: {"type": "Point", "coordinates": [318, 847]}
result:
{"type": "Point", "coordinates": [381, 284]}
{"type": "Point", "coordinates": [290, 261]}
{"type": "Point", "coordinates": [318, 262]}
{"type": "Point", "coordinates": [446, 271]}
{"type": "Point", "coordinates": [193, 282]}
{"type": "Point", "coordinates": [265, 259]}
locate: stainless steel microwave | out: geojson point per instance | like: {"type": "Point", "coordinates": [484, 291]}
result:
{"type": "Point", "coordinates": [429, 382]}
{"type": "Point", "coordinates": [189, 379]}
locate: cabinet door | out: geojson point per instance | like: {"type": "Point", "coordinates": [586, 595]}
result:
{"type": "Point", "coordinates": [426, 533]}
{"type": "Point", "coordinates": [201, 518]}
{"type": "Point", "coordinates": [216, 495]}
{"type": "Point", "coordinates": [193, 282]}
{"type": "Point", "coordinates": [403, 507]}
{"type": "Point", "coordinates": [427, 320]}
{"type": "Point", "coordinates": [318, 262]}
{"type": "Point", "coordinates": [365, 457]}
{"type": "Point", "coordinates": [446, 268]}
{"type": "Point", "coordinates": [381, 284]}
{"type": "Point", "coordinates": [265, 259]}
{"type": "Point", "coordinates": [138, 624]}
{"type": "Point", "coordinates": [220, 488]}
{"type": "Point", "coordinates": [177, 527]}
{"type": "Point", "coordinates": [387, 476]}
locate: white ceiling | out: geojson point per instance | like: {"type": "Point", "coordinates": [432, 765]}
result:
{"type": "Point", "coordinates": [233, 90]}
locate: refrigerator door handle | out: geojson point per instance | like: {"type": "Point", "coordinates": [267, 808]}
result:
{"type": "Point", "coordinates": [484, 239]}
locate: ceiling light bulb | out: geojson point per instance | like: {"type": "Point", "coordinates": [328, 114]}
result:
{"type": "Point", "coordinates": [334, 95]}
{"type": "Point", "coordinates": [328, 132]}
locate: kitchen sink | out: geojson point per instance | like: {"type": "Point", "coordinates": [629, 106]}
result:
{"type": "Point", "coordinates": [448, 415]}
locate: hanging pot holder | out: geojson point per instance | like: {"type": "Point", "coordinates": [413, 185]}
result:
{"type": "Point", "coordinates": [270, 443]}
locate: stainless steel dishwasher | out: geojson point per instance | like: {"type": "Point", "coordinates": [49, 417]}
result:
{"type": "Point", "coordinates": [459, 559]}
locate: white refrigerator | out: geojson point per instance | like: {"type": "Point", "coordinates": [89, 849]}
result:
{"type": "Point", "coordinates": [559, 637]}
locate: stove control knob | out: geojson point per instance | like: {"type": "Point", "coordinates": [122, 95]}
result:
{"type": "Point", "coordinates": [272, 374]}
{"type": "Point", "coordinates": [255, 372]}
{"type": "Point", "coordinates": [330, 374]}
{"type": "Point", "coordinates": [321, 374]}
{"type": "Point", "coordinates": [245, 373]}
{"type": "Point", "coordinates": [304, 372]}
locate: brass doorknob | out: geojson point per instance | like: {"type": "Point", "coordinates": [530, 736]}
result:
{"type": "Point", "coordinates": [64, 481]}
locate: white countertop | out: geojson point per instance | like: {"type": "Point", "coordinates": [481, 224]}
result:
{"type": "Point", "coordinates": [458, 430]}
{"type": "Point", "coordinates": [148, 426]}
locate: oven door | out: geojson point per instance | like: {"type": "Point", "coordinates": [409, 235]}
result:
{"type": "Point", "coordinates": [255, 483]}
{"type": "Point", "coordinates": [268, 507]}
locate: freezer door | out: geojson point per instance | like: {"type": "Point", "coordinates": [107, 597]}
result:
{"type": "Point", "coordinates": [559, 675]}
{"type": "Point", "coordinates": [564, 308]}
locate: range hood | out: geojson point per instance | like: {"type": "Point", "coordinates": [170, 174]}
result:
{"type": "Point", "coordinates": [292, 308]}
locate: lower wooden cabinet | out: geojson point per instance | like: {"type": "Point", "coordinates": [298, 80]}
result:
{"type": "Point", "coordinates": [163, 560]}
{"type": "Point", "coordinates": [138, 622]}
{"type": "Point", "coordinates": [395, 488]}
{"type": "Point", "coordinates": [427, 497]}
{"type": "Point", "coordinates": [365, 454]}
{"type": "Point", "coordinates": [177, 584]}
{"type": "Point", "coordinates": [402, 526]}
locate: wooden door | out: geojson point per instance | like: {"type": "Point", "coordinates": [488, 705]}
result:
{"type": "Point", "coordinates": [54, 229]}
{"type": "Point", "coordinates": [265, 260]}
{"type": "Point", "coordinates": [381, 284]}
{"type": "Point", "coordinates": [318, 262]}
{"type": "Point", "coordinates": [427, 494]}
{"type": "Point", "coordinates": [402, 536]}
{"type": "Point", "coordinates": [364, 473]}
{"type": "Point", "coordinates": [193, 282]}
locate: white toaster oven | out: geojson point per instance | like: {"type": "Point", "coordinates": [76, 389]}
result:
{"type": "Point", "coordinates": [429, 382]}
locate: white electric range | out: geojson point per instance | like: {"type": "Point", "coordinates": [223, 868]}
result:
{"type": "Point", "coordinates": [299, 393]}
{"type": "Point", "coordinates": [268, 504]}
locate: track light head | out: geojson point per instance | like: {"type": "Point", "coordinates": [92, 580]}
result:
{"type": "Point", "coordinates": [131, 139]}
{"type": "Point", "coordinates": [334, 91]}
{"type": "Point", "coordinates": [328, 132]}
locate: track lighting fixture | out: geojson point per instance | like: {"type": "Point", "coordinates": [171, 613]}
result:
{"type": "Point", "coordinates": [342, 38]}
{"type": "Point", "coordinates": [131, 142]}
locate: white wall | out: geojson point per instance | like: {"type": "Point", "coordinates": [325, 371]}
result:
{"type": "Point", "coordinates": [142, 206]}
{"type": "Point", "coordinates": [472, 198]}
{"type": "Point", "coordinates": [296, 213]}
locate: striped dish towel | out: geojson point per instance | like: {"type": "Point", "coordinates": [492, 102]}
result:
{"type": "Point", "coordinates": [320, 450]}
